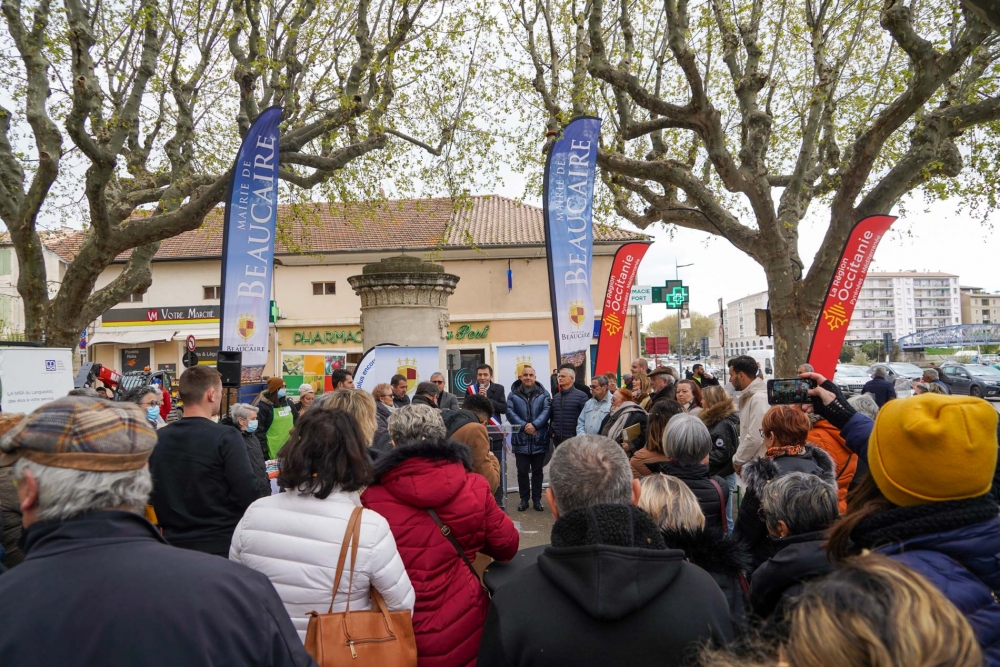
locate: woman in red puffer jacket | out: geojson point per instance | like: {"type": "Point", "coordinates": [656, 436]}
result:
{"type": "Point", "coordinates": [425, 472]}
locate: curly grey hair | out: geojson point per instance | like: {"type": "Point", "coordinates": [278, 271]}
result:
{"type": "Point", "coordinates": [243, 411]}
{"type": "Point", "coordinates": [412, 423]}
{"type": "Point", "coordinates": [865, 404]}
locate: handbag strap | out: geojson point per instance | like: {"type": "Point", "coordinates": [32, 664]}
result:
{"type": "Point", "coordinates": [348, 538]}
{"type": "Point", "coordinates": [446, 531]}
{"type": "Point", "coordinates": [722, 504]}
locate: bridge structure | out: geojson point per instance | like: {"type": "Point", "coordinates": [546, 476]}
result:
{"type": "Point", "coordinates": [958, 335]}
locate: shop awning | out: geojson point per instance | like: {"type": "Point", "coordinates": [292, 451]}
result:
{"type": "Point", "coordinates": [131, 337]}
{"type": "Point", "coordinates": [200, 334]}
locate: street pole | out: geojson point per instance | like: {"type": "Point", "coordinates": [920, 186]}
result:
{"type": "Point", "coordinates": [680, 348]}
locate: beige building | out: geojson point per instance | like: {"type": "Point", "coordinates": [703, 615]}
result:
{"type": "Point", "coordinates": [320, 313]}
{"type": "Point", "coordinates": [11, 305]}
{"type": "Point", "coordinates": [904, 302]}
{"type": "Point", "coordinates": [979, 306]}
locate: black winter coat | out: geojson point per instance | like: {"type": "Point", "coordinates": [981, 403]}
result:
{"type": "Point", "coordinates": [105, 589]}
{"type": "Point", "coordinates": [669, 392]}
{"type": "Point", "coordinates": [756, 474]}
{"type": "Point", "coordinates": [882, 390]}
{"type": "Point", "coordinates": [725, 431]}
{"type": "Point", "coordinates": [257, 464]}
{"type": "Point", "coordinates": [382, 444]}
{"type": "Point", "coordinates": [202, 483]}
{"type": "Point", "coordinates": [723, 557]}
{"type": "Point", "coordinates": [780, 579]}
{"type": "Point", "coordinates": [566, 409]}
{"type": "Point", "coordinates": [607, 592]}
{"type": "Point", "coordinates": [698, 480]}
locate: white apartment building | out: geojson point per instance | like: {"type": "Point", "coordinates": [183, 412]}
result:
{"type": "Point", "coordinates": [904, 302]}
{"type": "Point", "coordinates": [740, 325]}
{"type": "Point", "coordinates": [979, 306]}
{"type": "Point", "coordinates": [11, 305]}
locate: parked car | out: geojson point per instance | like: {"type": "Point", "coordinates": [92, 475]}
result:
{"type": "Point", "coordinates": [898, 370]}
{"type": "Point", "coordinates": [973, 379]}
{"type": "Point", "coordinates": [851, 378]}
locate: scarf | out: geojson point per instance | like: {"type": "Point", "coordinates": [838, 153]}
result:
{"type": "Point", "coordinates": [902, 523]}
{"type": "Point", "coordinates": [620, 417]}
{"type": "Point", "coordinates": [791, 450]}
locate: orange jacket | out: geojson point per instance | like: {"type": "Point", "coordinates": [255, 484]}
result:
{"type": "Point", "coordinates": [826, 436]}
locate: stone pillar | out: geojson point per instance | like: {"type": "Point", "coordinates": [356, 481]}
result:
{"type": "Point", "coordinates": [404, 300]}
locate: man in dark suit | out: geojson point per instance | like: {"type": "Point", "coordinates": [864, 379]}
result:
{"type": "Point", "coordinates": [486, 388]}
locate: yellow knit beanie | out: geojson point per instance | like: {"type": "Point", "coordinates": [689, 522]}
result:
{"type": "Point", "coordinates": [932, 448]}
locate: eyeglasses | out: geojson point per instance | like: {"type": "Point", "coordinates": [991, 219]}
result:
{"type": "Point", "coordinates": [156, 403]}
{"type": "Point", "coordinates": [438, 381]}
{"type": "Point", "coordinates": [595, 386]}
{"type": "Point", "coordinates": [761, 514]}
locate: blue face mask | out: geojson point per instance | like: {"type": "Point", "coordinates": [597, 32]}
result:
{"type": "Point", "coordinates": [282, 392]}
{"type": "Point", "coordinates": [251, 426]}
{"type": "Point", "coordinates": [153, 413]}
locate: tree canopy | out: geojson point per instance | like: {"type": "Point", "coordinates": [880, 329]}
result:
{"type": "Point", "coordinates": [126, 115]}
{"type": "Point", "coordinates": [740, 119]}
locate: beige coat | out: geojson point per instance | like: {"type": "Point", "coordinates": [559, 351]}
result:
{"type": "Point", "coordinates": [753, 407]}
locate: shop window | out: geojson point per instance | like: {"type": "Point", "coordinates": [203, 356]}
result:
{"type": "Point", "coordinates": [320, 289]}
{"type": "Point", "coordinates": [212, 292]}
{"type": "Point", "coordinates": [462, 366]}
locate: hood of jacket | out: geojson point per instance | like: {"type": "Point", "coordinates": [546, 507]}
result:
{"type": "Point", "coordinates": [756, 474]}
{"type": "Point", "coordinates": [382, 410]}
{"type": "Point", "coordinates": [711, 550]}
{"type": "Point", "coordinates": [424, 474]}
{"type": "Point", "coordinates": [610, 560]}
{"type": "Point", "coordinates": [456, 419]}
{"type": "Point", "coordinates": [715, 414]}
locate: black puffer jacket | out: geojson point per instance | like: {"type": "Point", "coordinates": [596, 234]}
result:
{"type": "Point", "coordinates": [723, 424]}
{"type": "Point", "coordinates": [723, 557]}
{"type": "Point", "coordinates": [756, 474]}
{"type": "Point", "coordinates": [257, 463]}
{"type": "Point", "coordinates": [383, 443]}
{"type": "Point", "coordinates": [780, 579]}
{"type": "Point", "coordinates": [566, 408]}
{"type": "Point", "coordinates": [698, 480]}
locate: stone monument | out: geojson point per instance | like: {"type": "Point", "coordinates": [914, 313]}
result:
{"type": "Point", "coordinates": [404, 300]}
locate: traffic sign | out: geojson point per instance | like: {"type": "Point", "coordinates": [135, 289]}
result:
{"type": "Point", "coordinates": [191, 343]}
{"type": "Point", "coordinates": [190, 359]}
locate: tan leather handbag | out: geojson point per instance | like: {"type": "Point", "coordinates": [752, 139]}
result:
{"type": "Point", "coordinates": [379, 638]}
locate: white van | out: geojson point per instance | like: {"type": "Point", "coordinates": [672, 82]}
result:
{"type": "Point", "coordinates": [766, 360]}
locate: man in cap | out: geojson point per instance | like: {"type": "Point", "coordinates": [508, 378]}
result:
{"type": "Point", "coordinates": [99, 585]}
{"type": "Point", "coordinates": [664, 383]}
{"type": "Point", "coordinates": [202, 478]}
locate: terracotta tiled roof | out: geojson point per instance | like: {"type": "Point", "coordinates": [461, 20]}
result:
{"type": "Point", "coordinates": [484, 221]}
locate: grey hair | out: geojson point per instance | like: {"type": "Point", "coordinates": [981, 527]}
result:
{"type": "Point", "coordinates": [85, 391]}
{"type": "Point", "coordinates": [686, 439]}
{"type": "Point", "coordinates": [571, 372]}
{"type": "Point", "coordinates": [601, 380]}
{"type": "Point", "coordinates": [805, 502]}
{"type": "Point", "coordinates": [64, 493]}
{"type": "Point", "coordinates": [932, 374]}
{"type": "Point", "coordinates": [436, 373]}
{"type": "Point", "coordinates": [589, 470]}
{"type": "Point", "coordinates": [412, 423]}
{"type": "Point", "coordinates": [807, 368]}
{"type": "Point", "coordinates": [865, 404]}
{"type": "Point", "coordinates": [880, 372]}
{"type": "Point", "coordinates": [243, 411]}
{"type": "Point", "coordinates": [139, 393]}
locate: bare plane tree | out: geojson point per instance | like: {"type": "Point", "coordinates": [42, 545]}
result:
{"type": "Point", "coordinates": [740, 118]}
{"type": "Point", "coordinates": [135, 109]}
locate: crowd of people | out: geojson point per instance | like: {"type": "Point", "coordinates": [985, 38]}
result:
{"type": "Point", "coordinates": [690, 528]}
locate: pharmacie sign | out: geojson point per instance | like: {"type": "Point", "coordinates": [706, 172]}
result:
{"type": "Point", "coordinates": [327, 336]}
{"type": "Point", "coordinates": [123, 317]}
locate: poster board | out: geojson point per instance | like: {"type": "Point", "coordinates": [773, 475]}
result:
{"type": "Point", "coordinates": [313, 368]}
{"type": "Point", "coordinates": [30, 377]}
{"type": "Point", "coordinates": [416, 364]}
{"type": "Point", "coordinates": [511, 359]}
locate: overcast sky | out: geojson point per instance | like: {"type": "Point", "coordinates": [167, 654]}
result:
{"type": "Point", "coordinates": [938, 239]}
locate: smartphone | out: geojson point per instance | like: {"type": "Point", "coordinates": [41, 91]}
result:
{"type": "Point", "coordinates": [790, 391]}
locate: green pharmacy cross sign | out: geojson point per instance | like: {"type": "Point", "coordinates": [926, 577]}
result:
{"type": "Point", "coordinates": [674, 294]}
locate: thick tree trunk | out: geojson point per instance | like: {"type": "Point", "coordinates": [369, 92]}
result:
{"type": "Point", "coordinates": [793, 319]}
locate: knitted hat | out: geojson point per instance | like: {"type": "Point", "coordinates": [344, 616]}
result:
{"type": "Point", "coordinates": [82, 433]}
{"type": "Point", "coordinates": [933, 448]}
{"type": "Point", "coordinates": [274, 384]}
